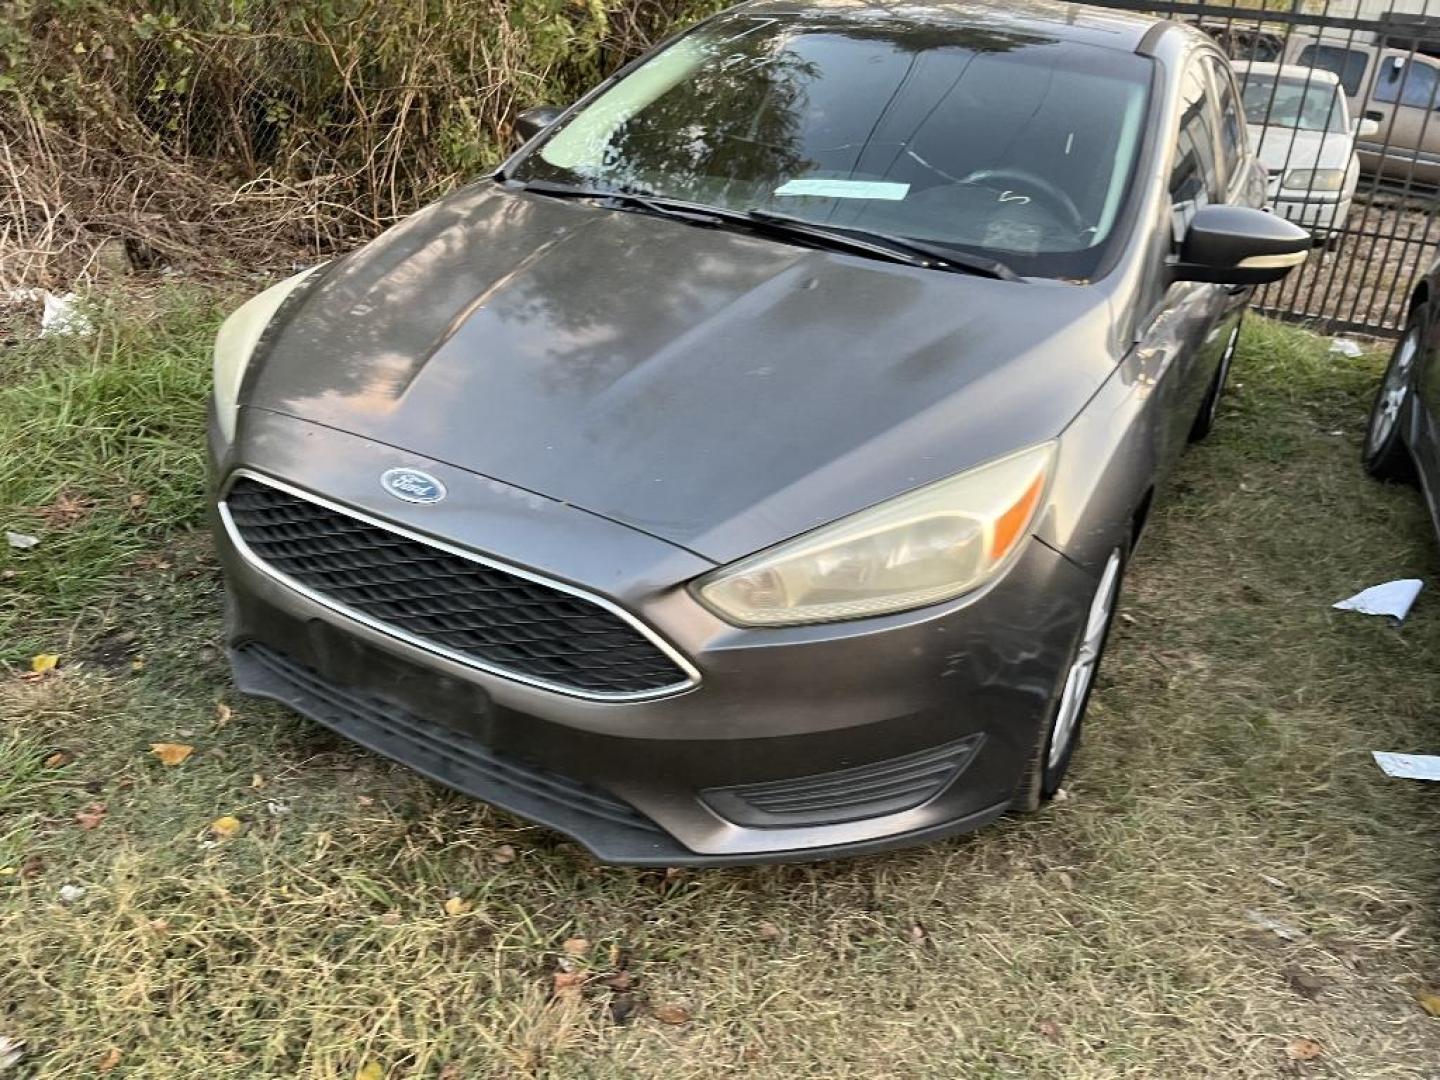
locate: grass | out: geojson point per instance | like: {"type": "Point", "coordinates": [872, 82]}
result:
{"type": "Point", "coordinates": [1225, 778]}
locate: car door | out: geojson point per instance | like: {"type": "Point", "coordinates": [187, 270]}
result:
{"type": "Point", "coordinates": [1185, 341]}
{"type": "Point", "coordinates": [1403, 101]}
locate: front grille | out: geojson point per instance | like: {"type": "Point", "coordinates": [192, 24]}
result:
{"type": "Point", "coordinates": [473, 611]}
{"type": "Point", "coordinates": [886, 787]}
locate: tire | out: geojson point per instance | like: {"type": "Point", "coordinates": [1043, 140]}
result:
{"type": "Point", "coordinates": [1210, 407]}
{"type": "Point", "coordinates": [1051, 760]}
{"type": "Point", "coordinates": [1385, 456]}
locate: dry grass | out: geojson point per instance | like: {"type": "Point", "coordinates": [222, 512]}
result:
{"type": "Point", "coordinates": [1225, 772]}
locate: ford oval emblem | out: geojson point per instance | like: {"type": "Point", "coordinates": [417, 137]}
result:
{"type": "Point", "coordinates": [412, 485]}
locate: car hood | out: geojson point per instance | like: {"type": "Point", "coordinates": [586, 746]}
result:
{"type": "Point", "coordinates": [718, 390]}
{"type": "Point", "coordinates": [1290, 148]}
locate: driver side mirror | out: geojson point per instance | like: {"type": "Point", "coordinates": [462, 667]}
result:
{"type": "Point", "coordinates": [531, 122]}
{"type": "Point", "coordinates": [1237, 245]}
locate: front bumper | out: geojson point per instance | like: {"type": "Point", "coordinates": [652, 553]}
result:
{"type": "Point", "coordinates": [1324, 215]}
{"type": "Point", "coordinates": [800, 742]}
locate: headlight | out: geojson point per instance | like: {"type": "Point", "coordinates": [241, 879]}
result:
{"type": "Point", "coordinates": [921, 548]}
{"type": "Point", "coordinates": [1314, 179]}
{"type": "Point", "coordinates": [236, 340]}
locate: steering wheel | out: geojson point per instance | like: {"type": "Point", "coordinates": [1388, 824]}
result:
{"type": "Point", "coordinates": [1052, 196]}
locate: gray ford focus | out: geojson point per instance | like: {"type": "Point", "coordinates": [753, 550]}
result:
{"type": "Point", "coordinates": [747, 469]}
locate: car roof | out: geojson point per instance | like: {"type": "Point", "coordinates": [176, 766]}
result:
{"type": "Point", "coordinates": [1289, 71]}
{"type": "Point", "coordinates": [1080, 23]}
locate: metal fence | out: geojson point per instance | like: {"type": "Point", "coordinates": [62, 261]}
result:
{"type": "Point", "coordinates": [1341, 97]}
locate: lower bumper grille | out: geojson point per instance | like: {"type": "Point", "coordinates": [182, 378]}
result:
{"type": "Point", "coordinates": [610, 828]}
{"type": "Point", "coordinates": [887, 787]}
{"type": "Point", "coordinates": [465, 607]}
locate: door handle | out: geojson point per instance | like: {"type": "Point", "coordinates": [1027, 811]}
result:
{"type": "Point", "coordinates": [1374, 114]}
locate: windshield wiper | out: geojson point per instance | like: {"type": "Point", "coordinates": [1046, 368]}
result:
{"type": "Point", "coordinates": [921, 253]}
{"type": "Point", "coordinates": [671, 208]}
{"type": "Point", "coordinates": [860, 241]}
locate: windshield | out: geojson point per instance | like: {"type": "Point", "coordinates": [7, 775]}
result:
{"type": "Point", "coordinates": [1316, 107]}
{"type": "Point", "coordinates": [1014, 146]}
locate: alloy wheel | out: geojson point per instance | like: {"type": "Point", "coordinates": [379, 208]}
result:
{"type": "Point", "coordinates": [1393, 393]}
{"type": "Point", "coordinates": [1082, 670]}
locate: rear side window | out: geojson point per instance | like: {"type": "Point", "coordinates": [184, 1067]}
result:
{"type": "Point", "coordinates": [1348, 64]}
{"type": "Point", "coordinates": [1406, 82]}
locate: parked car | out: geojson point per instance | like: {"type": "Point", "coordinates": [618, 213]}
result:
{"type": "Point", "coordinates": [1402, 440]}
{"type": "Point", "coordinates": [1393, 89]}
{"type": "Point", "coordinates": [1301, 129]}
{"type": "Point", "coordinates": [747, 470]}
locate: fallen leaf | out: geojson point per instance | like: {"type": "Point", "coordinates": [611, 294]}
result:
{"type": "Point", "coordinates": [622, 1007]}
{"type": "Point", "coordinates": [576, 946]}
{"type": "Point", "coordinates": [365, 800]}
{"type": "Point", "coordinates": [568, 985]}
{"type": "Point", "coordinates": [20, 541]}
{"type": "Point", "coordinates": [137, 664]}
{"type": "Point", "coordinates": [110, 1060]}
{"type": "Point", "coordinates": [917, 932]}
{"type": "Point", "coordinates": [58, 759]}
{"type": "Point", "coordinates": [159, 926]}
{"type": "Point", "coordinates": [1429, 1001]}
{"type": "Point", "coordinates": [65, 510]}
{"type": "Point", "coordinates": [457, 905]}
{"type": "Point", "coordinates": [1304, 983]}
{"type": "Point", "coordinates": [138, 499]}
{"type": "Point", "coordinates": [1304, 1050]}
{"type": "Point", "coordinates": [171, 753]}
{"type": "Point", "coordinates": [1050, 1029]}
{"type": "Point", "coordinates": [503, 854]}
{"type": "Point", "coordinates": [768, 931]}
{"type": "Point", "coordinates": [257, 781]}
{"type": "Point", "coordinates": [222, 714]}
{"type": "Point", "coordinates": [620, 982]}
{"type": "Point", "coordinates": [45, 661]}
{"type": "Point", "coordinates": [225, 827]}
{"type": "Point", "coordinates": [449, 1071]}
{"type": "Point", "coordinates": [91, 816]}
{"type": "Point", "coordinates": [671, 1014]}
{"type": "Point", "coordinates": [32, 867]}
{"type": "Point", "coordinates": [371, 1070]}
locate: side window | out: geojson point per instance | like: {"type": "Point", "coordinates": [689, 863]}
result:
{"type": "Point", "coordinates": [1406, 82]}
{"type": "Point", "coordinates": [1232, 124]}
{"type": "Point", "coordinates": [1195, 176]}
{"type": "Point", "coordinates": [1349, 64]}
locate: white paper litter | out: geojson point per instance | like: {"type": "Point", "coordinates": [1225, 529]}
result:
{"type": "Point", "coordinates": [61, 316]}
{"type": "Point", "coordinates": [1408, 766]}
{"type": "Point", "coordinates": [1392, 598]}
{"type": "Point", "coordinates": [1277, 927]}
{"type": "Point", "coordinates": [11, 1051]}
{"type": "Point", "coordinates": [20, 541]}
{"type": "Point", "coordinates": [70, 894]}
{"type": "Point", "coordinates": [1346, 347]}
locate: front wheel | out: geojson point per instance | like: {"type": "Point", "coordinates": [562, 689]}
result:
{"type": "Point", "coordinates": [1059, 740]}
{"type": "Point", "coordinates": [1386, 456]}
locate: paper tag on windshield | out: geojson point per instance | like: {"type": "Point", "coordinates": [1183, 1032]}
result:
{"type": "Point", "coordinates": [844, 189]}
